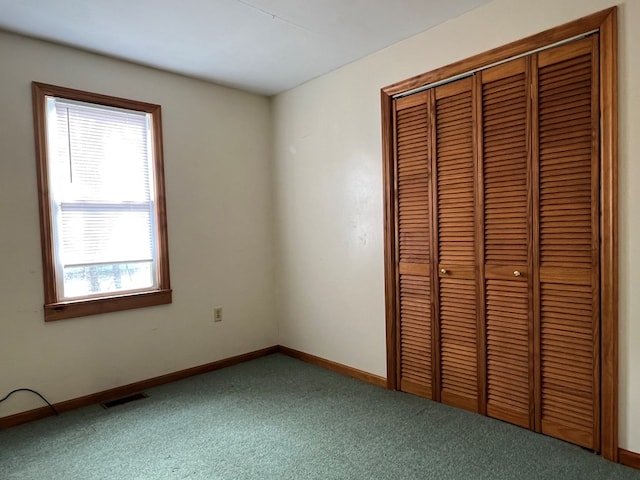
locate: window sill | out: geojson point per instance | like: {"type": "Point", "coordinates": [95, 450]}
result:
{"type": "Point", "coordinates": [94, 306]}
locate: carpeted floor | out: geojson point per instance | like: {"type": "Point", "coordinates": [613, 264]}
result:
{"type": "Point", "coordinates": [279, 418]}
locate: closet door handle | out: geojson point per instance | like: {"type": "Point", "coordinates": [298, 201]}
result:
{"type": "Point", "coordinates": [516, 273]}
{"type": "Point", "coordinates": [443, 271]}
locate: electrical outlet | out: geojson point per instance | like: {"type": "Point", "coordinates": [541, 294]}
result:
{"type": "Point", "coordinates": [217, 314]}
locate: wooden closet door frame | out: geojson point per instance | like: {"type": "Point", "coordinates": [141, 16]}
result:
{"type": "Point", "coordinates": [605, 22]}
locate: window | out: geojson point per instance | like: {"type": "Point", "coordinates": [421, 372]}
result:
{"type": "Point", "coordinates": [102, 210]}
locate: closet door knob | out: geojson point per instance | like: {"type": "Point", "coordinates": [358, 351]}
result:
{"type": "Point", "coordinates": [443, 271]}
{"type": "Point", "coordinates": [516, 273]}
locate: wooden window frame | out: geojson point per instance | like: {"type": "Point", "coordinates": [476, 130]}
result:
{"type": "Point", "coordinates": [605, 22]}
{"type": "Point", "coordinates": [54, 307]}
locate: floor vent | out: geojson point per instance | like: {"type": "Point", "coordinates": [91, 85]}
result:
{"type": "Point", "coordinates": [123, 400]}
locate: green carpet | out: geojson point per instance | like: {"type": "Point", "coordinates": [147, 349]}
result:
{"type": "Point", "coordinates": [279, 418]}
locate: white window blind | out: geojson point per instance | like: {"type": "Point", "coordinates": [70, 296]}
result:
{"type": "Point", "coordinates": [101, 183]}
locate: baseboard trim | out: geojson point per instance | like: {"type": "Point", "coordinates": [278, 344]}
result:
{"type": "Point", "coordinates": [117, 392]}
{"type": "Point", "coordinates": [336, 367]}
{"type": "Point", "coordinates": [630, 459]}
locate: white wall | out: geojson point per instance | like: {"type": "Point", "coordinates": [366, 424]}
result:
{"type": "Point", "coordinates": [328, 187]}
{"type": "Point", "coordinates": [217, 165]}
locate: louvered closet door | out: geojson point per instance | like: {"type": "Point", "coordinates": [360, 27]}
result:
{"type": "Point", "coordinates": [505, 196]}
{"type": "Point", "coordinates": [455, 206]}
{"type": "Point", "coordinates": [568, 241]}
{"type": "Point", "coordinates": [413, 245]}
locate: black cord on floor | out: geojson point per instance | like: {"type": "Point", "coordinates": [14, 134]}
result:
{"type": "Point", "coordinates": [32, 391]}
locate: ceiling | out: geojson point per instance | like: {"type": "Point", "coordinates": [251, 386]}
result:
{"type": "Point", "coordinates": [263, 46]}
